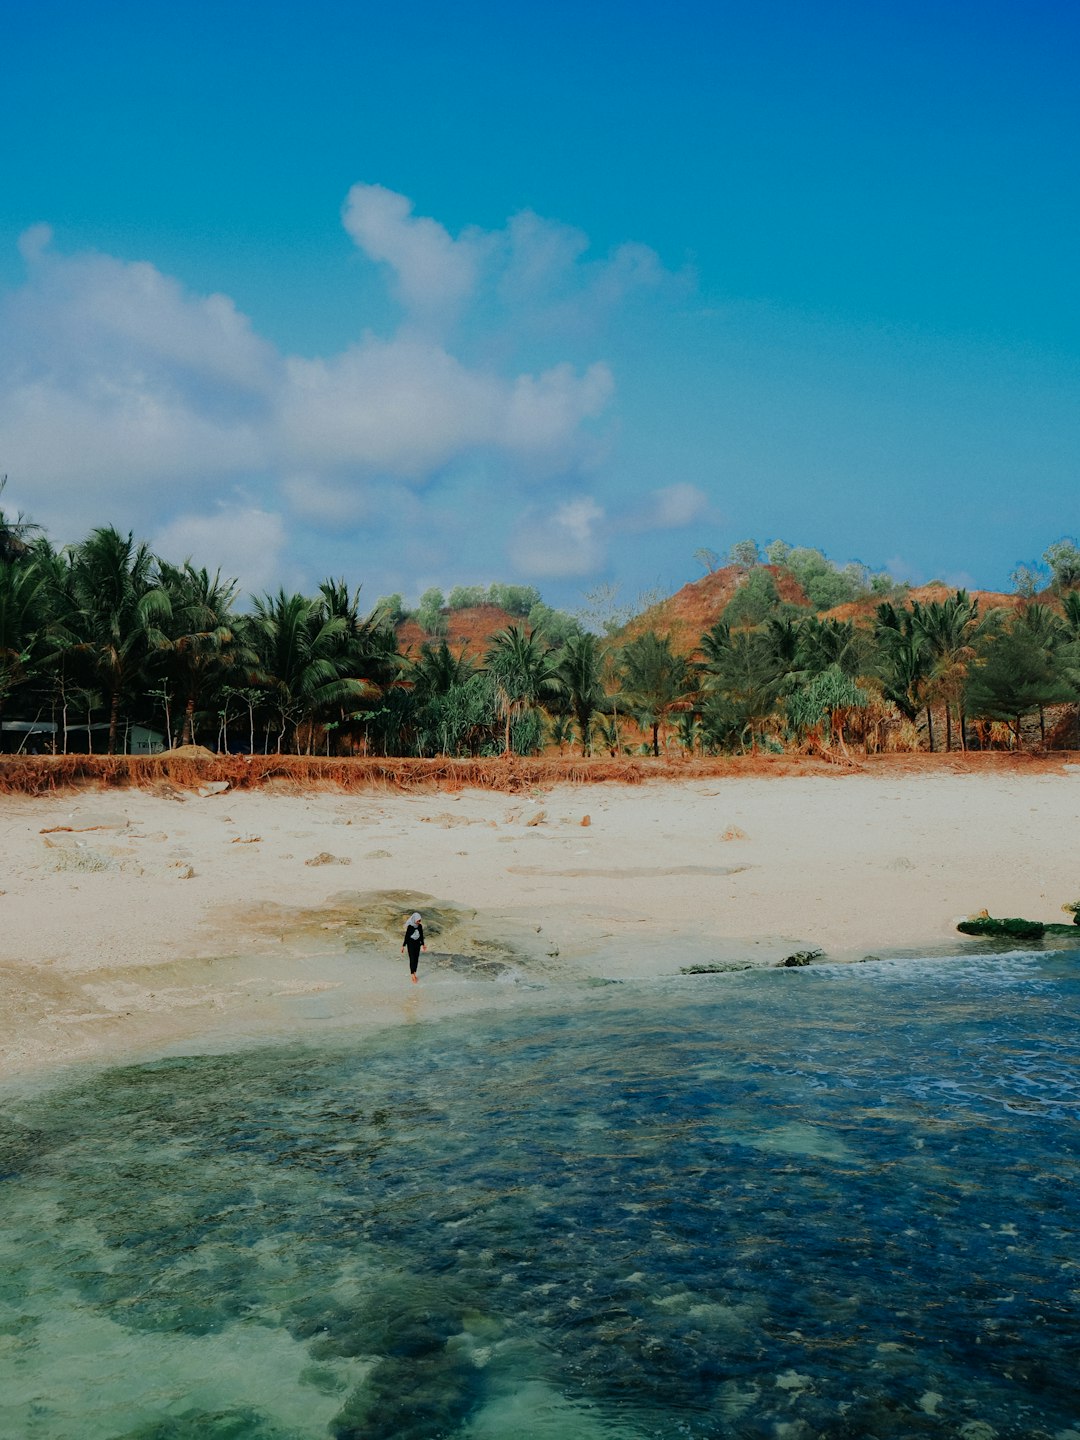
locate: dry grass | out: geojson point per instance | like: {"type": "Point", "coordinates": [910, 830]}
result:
{"type": "Point", "coordinates": [42, 774]}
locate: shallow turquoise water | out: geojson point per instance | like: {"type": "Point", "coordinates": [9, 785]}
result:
{"type": "Point", "coordinates": [831, 1202]}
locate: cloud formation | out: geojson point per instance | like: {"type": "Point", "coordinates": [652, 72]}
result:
{"type": "Point", "coordinates": [126, 398]}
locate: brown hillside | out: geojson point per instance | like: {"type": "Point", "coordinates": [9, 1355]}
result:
{"type": "Point", "coordinates": [472, 628]}
{"type": "Point", "coordinates": [686, 615]}
{"type": "Point", "coordinates": [863, 610]}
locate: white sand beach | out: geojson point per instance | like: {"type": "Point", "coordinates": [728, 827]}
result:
{"type": "Point", "coordinates": [134, 922]}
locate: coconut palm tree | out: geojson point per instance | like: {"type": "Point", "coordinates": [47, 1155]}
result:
{"type": "Point", "coordinates": [656, 681]}
{"type": "Point", "coordinates": [949, 629]}
{"type": "Point", "coordinates": [119, 610]}
{"type": "Point", "coordinates": [524, 674]}
{"type": "Point", "coordinates": [16, 535]}
{"type": "Point", "coordinates": [23, 597]}
{"type": "Point", "coordinates": [903, 661]}
{"type": "Point", "coordinates": [299, 659]}
{"type": "Point", "coordinates": [202, 636]}
{"type": "Point", "coordinates": [746, 679]}
{"type": "Point", "coordinates": [579, 668]}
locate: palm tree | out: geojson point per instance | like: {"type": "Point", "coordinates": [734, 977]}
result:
{"type": "Point", "coordinates": [656, 681]}
{"type": "Point", "coordinates": [299, 659]}
{"type": "Point", "coordinates": [524, 673]}
{"type": "Point", "coordinates": [366, 647]}
{"type": "Point", "coordinates": [579, 670]}
{"type": "Point", "coordinates": [22, 616]}
{"type": "Point", "coordinates": [16, 536]}
{"type": "Point", "coordinates": [949, 629]}
{"type": "Point", "coordinates": [903, 661]}
{"type": "Point", "coordinates": [119, 609]}
{"type": "Point", "coordinates": [745, 676]}
{"type": "Point", "coordinates": [438, 670]}
{"type": "Point", "coordinates": [202, 635]}
{"type": "Point", "coordinates": [823, 643]}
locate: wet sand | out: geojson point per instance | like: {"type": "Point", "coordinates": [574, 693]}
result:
{"type": "Point", "coordinates": [133, 923]}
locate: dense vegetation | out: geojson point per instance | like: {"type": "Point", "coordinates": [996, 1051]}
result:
{"type": "Point", "coordinates": [103, 640]}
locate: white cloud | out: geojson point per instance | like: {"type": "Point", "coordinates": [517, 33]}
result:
{"type": "Point", "coordinates": [563, 543]}
{"type": "Point", "coordinates": [435, 273]}
{"type": "Point", "coordinates": [244, 542]}
{"type": "Point", "coordinates": [126, 398]}
{"type": "Point", "coordinates": [677, 505]}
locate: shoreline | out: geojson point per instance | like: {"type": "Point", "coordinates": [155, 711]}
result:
{"type": "Point", "coordinates": [134, 922]}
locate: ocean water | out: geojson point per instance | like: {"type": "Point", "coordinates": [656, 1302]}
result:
{"type": "Point", "coordinates": [835, 1202]}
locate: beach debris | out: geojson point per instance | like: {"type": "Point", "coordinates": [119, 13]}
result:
{"type": "Point", "coordinates": [182, 871]}
{"type": "Point", "coordinates": [325, 858]}
{"type": "Point", "coordinates": [246, 840]}
{"type": "Point", "coordinates": [1072, 907]}
{"type": "Point", "coordinates": [212, 787]}
{"type": "Point", "coordinates": [733, 833]}
{"type": "Point", "coordinates": [379, 855]}
{"type": "Point", "coordinates": [448, 821]}
{"type": "Point", "coordinates": [801, 957]}
{"type": "Point", "coordinates": [538, 819]}
{"type": "Point", "coordinates": [586, 820]}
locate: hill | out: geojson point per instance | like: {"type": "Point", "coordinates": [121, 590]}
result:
{"type": "Point", "coordinates": [862, 610]}
{"type": "Point", "coordinates": [471, 628]}
{"type": "Point", "coordinates": [687, 614]}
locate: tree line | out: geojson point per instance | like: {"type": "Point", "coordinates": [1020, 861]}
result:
{"type": "Point", "coordinates": [104, 636]}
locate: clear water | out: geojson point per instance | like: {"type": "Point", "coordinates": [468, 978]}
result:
{"type": "Point", "coordinates": [834, 1202]}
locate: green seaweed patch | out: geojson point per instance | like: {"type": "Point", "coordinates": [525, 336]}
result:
{"type": "Point", "coordinates": [1012, 928]}
{"type": "Point", "coordinates": [801, 957]}
{"type": "Point", "coordinates": [718, 969]}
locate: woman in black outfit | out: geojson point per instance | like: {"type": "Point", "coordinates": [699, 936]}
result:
{"type": "Point", "coordinates": [414, 941]}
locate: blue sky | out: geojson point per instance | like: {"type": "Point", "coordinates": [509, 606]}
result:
{"type": "Point", "coordinates": [426, 294]}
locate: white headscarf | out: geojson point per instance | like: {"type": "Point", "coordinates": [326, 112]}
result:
{"type": "Point", "coordinates": [414, 918]}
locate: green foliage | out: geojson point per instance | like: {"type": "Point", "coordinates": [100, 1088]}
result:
{"type": "Point", "coordinates": [524, 673]}
{"type": "Point", "coordinates": [745, 552]}
{"type": "Point", "coordinates": [655, 681]}
{"type": "Point", "coordinates": [754, 601]}
{"type": "Point", "coordinates": [118, 608]}
{"type": "Point", "coordinates": [514, 599]}
{"type": "Point", "coordinates": [743, 682]}
{"type": "Point", "coordinates": [1014, 676]}
{"type": "Point", "coordinates": [558, 625]}
{"type": "Point", "coordinates": [391, 609]}
{"type": "Point", "coordinates": [1063, 559]}
{"type": "Point", "coordinates": [578, 672]}
{"type": "Point", "coordinates": [1028, 580]}
{"type": "Point", "coordinates": [429, 613]}
{"type": "Point", "coordinates": [466, 597]}
{"type": "Point", "coordinates": [457, 720]}
{"type": "Point", "coordinates": [827, 584]}
{"type": "Point", "coordinates": [828, 697]}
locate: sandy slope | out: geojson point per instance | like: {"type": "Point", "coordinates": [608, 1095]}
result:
{"type": "Point", "coordinates": [173, 922]}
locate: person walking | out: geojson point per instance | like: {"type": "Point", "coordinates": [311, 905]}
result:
{"type": "Point", "coordinates": [413, 942]}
